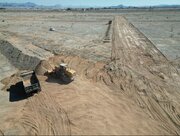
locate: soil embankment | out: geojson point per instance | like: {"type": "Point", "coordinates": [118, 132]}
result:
{"type": "Point", "coordinates": [141, 72]}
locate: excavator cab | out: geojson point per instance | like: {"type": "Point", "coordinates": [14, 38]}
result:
{"type": "Point", "coordinates": [62, 72]}
{"type": "Point", "coordinates": [65, 73]}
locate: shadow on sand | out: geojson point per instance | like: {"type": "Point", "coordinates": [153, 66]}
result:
{"type": "Point", "coordinates": [52, 78]}
{"type": "Point", "coordinates": [17, 92]}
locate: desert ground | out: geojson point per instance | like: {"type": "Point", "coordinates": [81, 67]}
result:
{"type": "Point", "coordinates": [127, 78]}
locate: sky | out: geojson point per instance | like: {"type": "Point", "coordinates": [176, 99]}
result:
{"type": "Point", "coordinates": [97, 2]}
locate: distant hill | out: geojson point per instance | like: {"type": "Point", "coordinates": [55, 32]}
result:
{"type": "Point", "coordinates": [18, 5]}
{"type": "Point", "coordinates": [33, 5]}
{"type": "Point", "coordinates": [167, 6]}
{"type": "Point", "coordinates": [27, 5]}
{"type": "Point", "coordinates": [119, 6]}
{"type": "Point", "coordinates": [156, 6]}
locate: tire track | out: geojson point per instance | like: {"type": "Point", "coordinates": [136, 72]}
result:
{"type": "Point", "coordinates": [170, 111]}
{"type": "Point", "coordinates": [140, 66]}
{"type": "Point", "coordinates": [136, 70]}
{"type": "Point", "coordinates": [43, 116]}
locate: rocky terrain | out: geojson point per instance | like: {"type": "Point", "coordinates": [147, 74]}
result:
{"type": "Point", "coordinates": [127, 78]}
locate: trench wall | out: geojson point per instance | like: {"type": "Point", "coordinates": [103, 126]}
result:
{"type": "Point", "coordinates": [18, 58]}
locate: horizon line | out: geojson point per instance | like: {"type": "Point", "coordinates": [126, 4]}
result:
{"type": "Point", "coordinates": [89, 5]}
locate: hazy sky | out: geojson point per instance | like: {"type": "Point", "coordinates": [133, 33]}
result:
{"type": "Point", "coordinates": [97, 2]}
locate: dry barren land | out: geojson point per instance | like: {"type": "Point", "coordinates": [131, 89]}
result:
{"type": "Point", "coordinates": [127, 78]}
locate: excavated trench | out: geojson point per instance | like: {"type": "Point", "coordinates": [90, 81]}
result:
{"type": "Point", "coordinates": [24, 61]}
{"type": "Point", "coordinates": [18, 58]}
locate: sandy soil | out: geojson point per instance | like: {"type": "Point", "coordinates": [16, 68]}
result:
{"type": "Point", "coordinates": [124, 87]}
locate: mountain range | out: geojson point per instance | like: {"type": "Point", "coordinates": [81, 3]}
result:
{"type": "Point", "coordinates": [33, 5]}
{"type": "Point", "coordinates": [26, 5]}
{"type": "Point", "coordinates": [154, 6]}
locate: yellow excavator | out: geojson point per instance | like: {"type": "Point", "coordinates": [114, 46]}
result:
{"type": "Point", "coordinates": [63, 72]}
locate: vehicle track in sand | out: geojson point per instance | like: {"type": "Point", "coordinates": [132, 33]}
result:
{"type": "Point", "coordinates": [138, 75]}
{"type": "Point", "coordinates": [145, 74]}
{"type": "Point", "coordinates": [42, 115]}
{"type": "Point", "coordinates": [94, 109]}
{"type": "Point", "coordinates": [139, 71]}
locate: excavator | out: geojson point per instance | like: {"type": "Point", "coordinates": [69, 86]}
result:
{"type": "Point", "coordinates": [63, 72]}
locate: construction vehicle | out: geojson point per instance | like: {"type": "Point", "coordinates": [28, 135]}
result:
{"type": "Point", "coordinates": [64, 73]}
{"type": "Point", "coordinates": [30, 82]}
